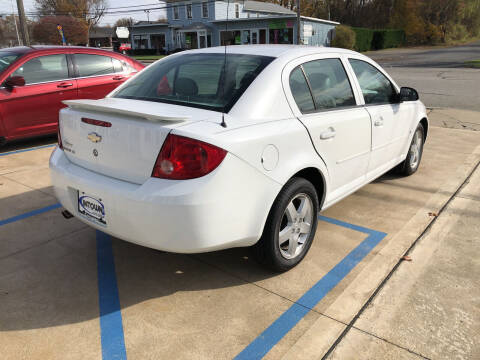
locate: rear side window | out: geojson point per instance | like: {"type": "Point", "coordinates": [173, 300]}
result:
{"type": "Point", "coordinates": [329, 83]}
{"type": "Point", "coordinates": [44, 69]}
{"type": "Point", "coordinates": [376, 88]}
{"type": "Point", "coordinates": [207, 81]}
{"type": "Point", "coordinates": [300, 91]}
{"type": "Point", "coordinates": [93, 65]}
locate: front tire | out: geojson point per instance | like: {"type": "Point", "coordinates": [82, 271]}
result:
{"type": "Point", "coordinates": [412, 162]}
{"type": "Point", "coordinates": [290, 226]}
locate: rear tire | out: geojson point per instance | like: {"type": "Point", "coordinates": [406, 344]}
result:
{"type": "Point", "coordinates": [411, 163]}
{"type": "Point", "coordinates": [290, 226]}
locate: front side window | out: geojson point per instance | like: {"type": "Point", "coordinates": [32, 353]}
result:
{"type": "Point", "coordinates": [189, 11]}
{"type": "Point", "coordinates": [376, 88]}
{"type": "Point", "coordinates": [6, 58]}
{"type": "Point", "coordinates": [93, 65]}
{"type": "Point", "coordinates": [44, 69]}
{"type": "Point", "coordinates": [196, 80]}
{"type": "Point", "coordinates": [329, 84]}
{"type": "Point", "coordinates": [205, 9]}
{"type": "Point", "coordinates": [176, 14]}
{"type": "Point", "coordinates": [300, 91]}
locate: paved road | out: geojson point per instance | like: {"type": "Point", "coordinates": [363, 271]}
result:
{"type": "Point", "coordinates": [447, 57]}
{"type": "Point", "coordinates": [438, 74]}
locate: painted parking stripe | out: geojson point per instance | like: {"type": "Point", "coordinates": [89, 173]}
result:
{"type": "Point", "coordinates": [280, 327]}
{"type": "Point", "coordinates": [29, 149]}
{"type": "Point", "coordinates": [29, 214]}
{"type": "Point", "coordinates": [111, 326]}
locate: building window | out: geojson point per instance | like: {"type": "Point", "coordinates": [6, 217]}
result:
{"type": "Point", "coordinates": [237, 10]}
{"type": "Point", "coordinates": [176, 15]}
{"type": "Point", "coordinates": [205, 9]}
{"type": "Point", "coordinates": [189, 11]}
{"type": "Point", "coordinates": [140, 41]}
{"type": "Point", "coordinates": [281, 36]}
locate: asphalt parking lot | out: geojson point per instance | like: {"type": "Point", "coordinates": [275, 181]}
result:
{"type": "Point", "coordinates": [67, 291]}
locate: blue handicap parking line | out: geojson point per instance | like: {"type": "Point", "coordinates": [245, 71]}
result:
{"type": "Point", "coordinates": [280, 327]}
{"type": "Point", "coordinates": [111, 327]}
{"type": "Point", "coordinates": [25, 150]}
{"type": "Point", "coordinates": [29, 214]}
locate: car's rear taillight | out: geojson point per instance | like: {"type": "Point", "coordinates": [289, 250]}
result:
{"type": "Point", "coordinates": [59, 137]}
{"type": "Point", "coordinates": [184, 158]}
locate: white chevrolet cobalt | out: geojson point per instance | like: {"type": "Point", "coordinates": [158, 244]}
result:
{"type": "Point", "coordinates": [204, 150]}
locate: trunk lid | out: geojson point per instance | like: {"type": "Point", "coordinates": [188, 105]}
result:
{"type": "Point", "coordinates": [128, 148]}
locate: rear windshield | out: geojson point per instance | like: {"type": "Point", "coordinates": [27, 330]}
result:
{"type": "Point", "coordinates": [196, 80]}
{"type": "Point", "coordinates": [6, 58]}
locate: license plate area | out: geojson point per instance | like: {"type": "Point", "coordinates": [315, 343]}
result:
{"type": "Point", "coordinates": [91, 207]}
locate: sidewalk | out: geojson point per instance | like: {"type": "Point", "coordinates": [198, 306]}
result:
{"type": "Point", "coordinates": [430, 307]}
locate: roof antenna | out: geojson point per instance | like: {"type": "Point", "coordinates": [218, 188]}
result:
{"type": "Point", "coordinates": [223, 123]}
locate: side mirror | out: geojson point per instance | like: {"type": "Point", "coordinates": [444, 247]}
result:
{"type": "Point", "coordinates": [408, 94]}
{"type": "Point", "coordinates": [13, 81]}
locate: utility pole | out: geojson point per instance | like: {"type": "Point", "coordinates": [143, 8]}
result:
{"type": "Point", "coordinates": [23, 23]}
{"type": "Point", "coordinates": [298, 22]}
{"type": "Point", "coordinates": [15, 21]}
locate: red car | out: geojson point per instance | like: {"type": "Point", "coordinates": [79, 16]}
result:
{"type": "Point", "coordinates": [35, 80]}
{"type": "Point", "coordinates": [124, 47]}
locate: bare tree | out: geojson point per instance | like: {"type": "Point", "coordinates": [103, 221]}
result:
{"type": "Point", "coordinates": [124, 22]}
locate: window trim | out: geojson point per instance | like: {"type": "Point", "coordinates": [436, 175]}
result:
{"type": "Point", "coordinates": [76, 74]}
{"type": "Point", "coordinates": [208, 12]}
{"type": "Point", "coordinates": [187, 5]}
{"type": "Point", "coordinates": [317, 110]}
{"type": "Point", "coordinates": [70, 69]}
{"type": "Point", "coordinates": [176, 12]}
{"type": "Point", "coordinates": [395, 87]}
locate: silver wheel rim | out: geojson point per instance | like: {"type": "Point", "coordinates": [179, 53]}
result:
{"type": "Point", "coordinates": [415, 149]}
{"type": "Point", "coordinates": [295, 226]}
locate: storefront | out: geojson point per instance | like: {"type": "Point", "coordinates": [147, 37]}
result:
{"type": "Point", "coordinates": [258, 31]}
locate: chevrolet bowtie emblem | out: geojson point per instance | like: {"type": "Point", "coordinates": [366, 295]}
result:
{"type": "Point", "coordinates": [94, 137]}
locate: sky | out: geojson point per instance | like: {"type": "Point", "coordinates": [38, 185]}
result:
{"type": "Point", "coordinates": [6, 8]}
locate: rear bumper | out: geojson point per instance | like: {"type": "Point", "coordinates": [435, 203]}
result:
{"type": "Point", "coordinates": [227, 208]}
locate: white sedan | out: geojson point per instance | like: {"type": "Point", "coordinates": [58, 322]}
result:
{"type": "Point", "coordinates": [204, 151]}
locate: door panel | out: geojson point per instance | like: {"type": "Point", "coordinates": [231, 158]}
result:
{"type": "Point", "coordinates": [343, 139]}
{"type": "Point", "coordinates": [390, 132]}
{"type": "Point", "coordinates": [98, 75]}
{"type": "Point", "coordinates": [33, 109]}
{"type": "Point", "coordinates": [391, 120]}
{"type": "Point", "coordinates": [340, 131]}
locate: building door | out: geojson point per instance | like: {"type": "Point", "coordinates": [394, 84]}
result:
{"type": "Point", "coordinates": [202, 39]}
{"type": "Point", "coordinates": [254, 37]}
{"type": "Point", "coordinates": [158, 42]}
{"type": "Point", "coordinates": [262, 36]}
{"type": "Point", "coordinates": [191, 40]}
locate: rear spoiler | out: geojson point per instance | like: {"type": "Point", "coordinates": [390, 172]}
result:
{"type": "Point", "coordinates": [123, 107]}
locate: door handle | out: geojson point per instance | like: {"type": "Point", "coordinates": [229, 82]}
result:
{"type": "Point", "coordinates": [118, 77]}
{"type": "Point", "coordinates": [329, 134]}
{"type": "Point", "coordinates": [378, 122]}
{"type": "Point", "coordinates": [64, 85]}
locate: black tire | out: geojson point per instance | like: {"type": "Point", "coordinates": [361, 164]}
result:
{"type": "Point", "coordinates": [268, 250]}
{"type": "Point", "coordinates": [410, 165]}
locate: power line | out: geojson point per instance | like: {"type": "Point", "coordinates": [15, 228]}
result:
{"type": "Point", "coordinates": [128, 9]}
